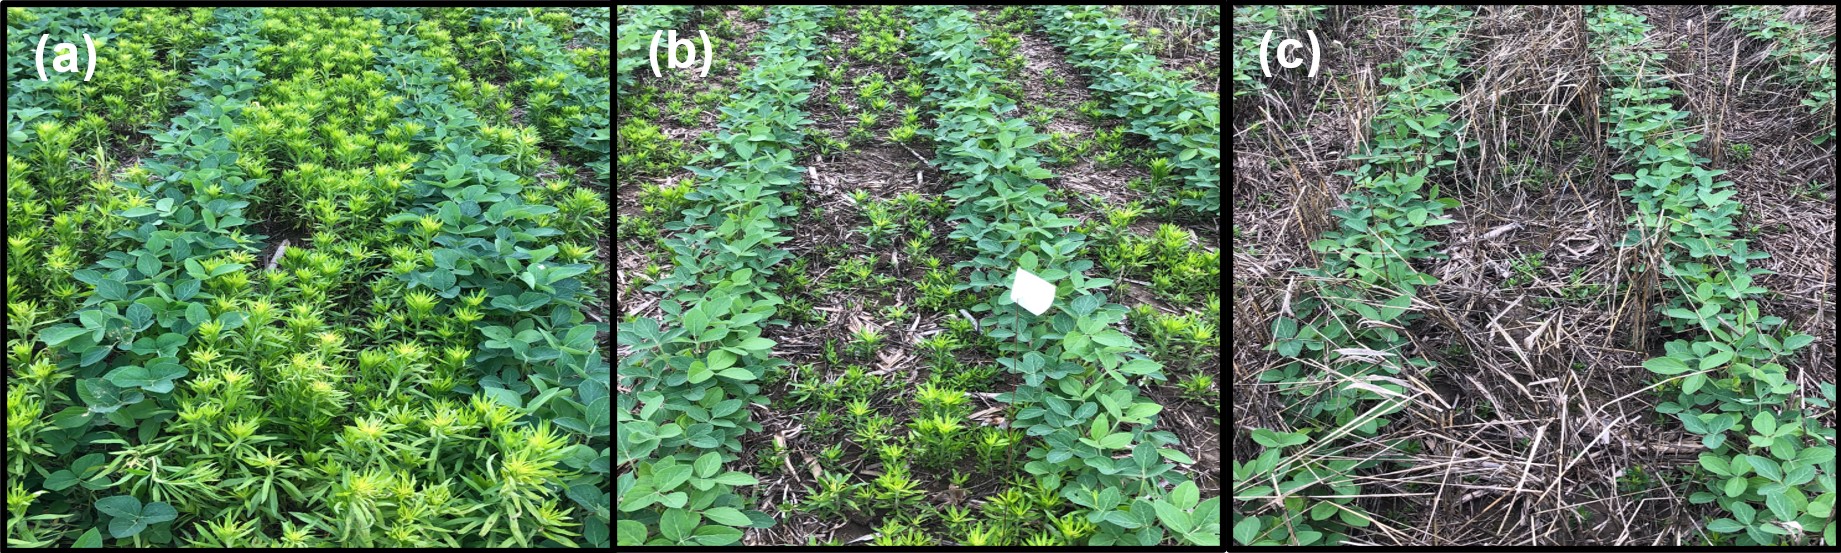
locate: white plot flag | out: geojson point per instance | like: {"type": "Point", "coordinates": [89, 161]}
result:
{"type": "Point", "coordinates": [1031, 292]}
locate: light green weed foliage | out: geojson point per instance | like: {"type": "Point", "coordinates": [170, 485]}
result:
{"type": "Point", "coordinates": [693, 373]}
{"type": "Point", "coordinates": [1771, 463]}
{"type": "Point", "coordinates": [1077, 368]}
{"type": "Point", "coordinates": [1372, 246]}
{"type": "Point", "coordinates": [1183, 123]}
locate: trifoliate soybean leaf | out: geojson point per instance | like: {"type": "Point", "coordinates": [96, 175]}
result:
{"type": "Point", "coordinates": [1797, 341]}
{"type": "Point", "coordinates": [669, 478]}
{"type": "Point", "coordinates": [1246, 530]}
{"type": "Point", "coordinates": [1394, 308]}
{"type": "Point", "coordinates": [716, 535]}
{"type": "Point", "coordinates": [1175, 519]}
{"type": "Point", "coordinates": [60, 480]}
{"type": "Point", "coordinates": [707, 465]}
{"type": "Point", "coordinates": [737, 373]}
{"type": "Point", "coordinates": [1765, 423]}
{"type": "Point", "coordinates": [57, 335]}
{"type": "Point", "coordinates": [631, 532]}
{"type": "Point", "coordinates": [1780, 501]}
{"type": "Point", "coordinates": [119, 506]}
{"type": "Point", "coordinates": [1176, 456]}
{"type": "Point", "coordinates": [727, 515]}
{"type": "Point", "coordinates": [1140, 367]}
{"type": "Point", "coordinates": [89, 540]}
{"type": "Point", "coordinates": [1115, 441]}
{"type": "Point", "coordinates": [141, 211]}
{"type": "Point", "coordinates": [111, 290]}
{"type": "Point", "coordinates": [1114, 338]}
{"type": "Point", "coordinates": [1766, 467]}
{"type": "Point", "coordinates": [1735, 486]}
{"type": "Point", "coordinates": [1185, 496]}
{"type": "Point", "coordinates": [134, 376]}
{"type": "Point", "coordinates": [147, 264]}
{"type": "Point", "coordinates": [675, 524]}
{"type": "Point", "coordinates": [503, 396]}
{"type": "Point", "coordinates": [158, 512]}
{"type": "Point", "coordinates": [1725, 525]}
{"type": "Point", "coordinates": [71, 417]}
{"type": "Point", "coordinates": [755, 344]}
{"type": "Point", "coordinates": [1714, 463]}
{"type": "Point", "coordinates": [1666, 365]}
{"type": "Point", "coordinates": [1141, 411]}
{"type": "Point", "coordinates": [1322, 510]}
{"type": "Point", "coordinates": [733, 478]}
{"type": "Point", "coordinates": [721, 359]}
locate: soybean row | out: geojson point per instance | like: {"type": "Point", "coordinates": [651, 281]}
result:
{"type": "Point", "coordinates": [1347, 320]}
{"type": "Point", "coordinates": [1727, 377]}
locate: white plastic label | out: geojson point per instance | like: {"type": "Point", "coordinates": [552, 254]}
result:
{"type": "Point", "coordinates": [1031, 292]}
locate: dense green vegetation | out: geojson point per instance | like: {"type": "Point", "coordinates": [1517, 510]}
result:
{"type": "Point", "coordinates": [822, 346]}
{"type": "Point", "coordinates": [330, 304]}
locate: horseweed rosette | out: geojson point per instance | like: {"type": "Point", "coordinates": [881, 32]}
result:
{"type": "Point", "coordinates": [1773, 479]}
{"type": "Point", "coordinates": [1361, 295]}
{"type": "Point", "coordinates": [1077, 370]}
{"type": "Point", "coordinates": [694, 373]}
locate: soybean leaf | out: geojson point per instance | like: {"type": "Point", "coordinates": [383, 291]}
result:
{"type": "Point", "coordinates": [1246, 530]}
{"type": "Point", "coordinates": [1765, 423]}
{"type": "Point", "coordinates": [1714, 464]}
{"type": "Point", "coordinates": [1725, 525]}
{"type": "Point", "coordinates": [1796, 341]}
{"type": "Point", "coordinates": [1766, 467]}
{"type": "Point", "coordinates": [707, 465]}
{"type": "Point", "coordinates": [1175, 519]}
{"type": "Point", "coordinates": [1115, 441]}
{"type": "Point", "coordinates": [1666, 365]}
{"type": "Point", "coordinates": [60, 480]}
{"type": "Point", "coordinates": [89, 540]}
{"type": "Point", "coordinates": [1185, 496]}
{"type": "Point", "coordinates": [57, 335]}
{"type": "Point", "coordinates": [1735, 486]}
{"type": "Point", "coordinates": [675, 524]}
{"type": "Point", "coordinates": [727, 515]}
{"type": "Point", "coordinates": [733, 478]}
{"type": "Point", "coordinates": [1176, 456]}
